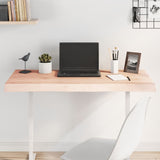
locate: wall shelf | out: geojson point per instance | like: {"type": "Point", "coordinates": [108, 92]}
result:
{"type": "Point", "coordinates": [32, 21]}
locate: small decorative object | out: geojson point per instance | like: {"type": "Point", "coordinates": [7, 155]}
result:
{"type": "Point", "coordinates": [146, 14]}
{"type": "Point", "coordinates": [4, 12]}
{"type": "Point", "coordinates": [132, 62]}
{"type": "Point", "coordinates": [114, 63]}
{"type": "Point", "coordinates": [25, 59]}
{"type": "Point", "coordinates": [45, 65]}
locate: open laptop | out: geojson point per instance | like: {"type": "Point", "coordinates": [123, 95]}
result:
{"type": "Point", "coordinates": [79, 60]}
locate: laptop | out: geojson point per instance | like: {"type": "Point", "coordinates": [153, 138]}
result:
{"type": "Point", "coordinates": [79, 60]}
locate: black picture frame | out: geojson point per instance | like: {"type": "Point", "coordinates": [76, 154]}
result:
{"type": "Point", "coordinates": [132, 62]}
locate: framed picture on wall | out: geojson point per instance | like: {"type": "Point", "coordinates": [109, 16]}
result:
{"type": "Point", "coordinates": [132, 62]}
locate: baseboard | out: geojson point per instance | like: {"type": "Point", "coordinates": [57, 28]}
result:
{"type": "Point", "coordinates": [38, 146]}
{"type": "Point", "coordinates": [61, 146]}
{"type": "Point", "coordinates": [148, 146]}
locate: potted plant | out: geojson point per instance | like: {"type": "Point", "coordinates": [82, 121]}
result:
{"type": "Point", "coordinates": [45, 64]}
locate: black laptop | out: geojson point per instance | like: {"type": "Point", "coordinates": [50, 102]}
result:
{"type": "Point", "coordinates": [79, 60]}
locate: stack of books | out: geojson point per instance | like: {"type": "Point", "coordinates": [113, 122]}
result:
{"type": "Point", "coordinates": [19, 10]}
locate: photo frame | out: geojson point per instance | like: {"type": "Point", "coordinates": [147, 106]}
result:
{"type": "Point", "coordinates": [132, 62]}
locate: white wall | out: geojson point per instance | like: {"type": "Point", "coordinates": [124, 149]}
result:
{"type": "Point", "coordinates": [69, 118]}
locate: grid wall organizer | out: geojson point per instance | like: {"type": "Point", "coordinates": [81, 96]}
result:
{"type": "Point", "coordinates": [146, 14]}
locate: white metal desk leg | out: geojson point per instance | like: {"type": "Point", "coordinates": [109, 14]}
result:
{"type": "Point", "coordinates": [127, 102]}
{"type": "Point", "coordinates": [31, 126]}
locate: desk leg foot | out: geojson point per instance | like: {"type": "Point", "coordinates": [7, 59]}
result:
{"type": "Point", "coordinates": [127, 102]}
{"type": "Point", "coordinates": [32, 156]}
{"type": "Point", "coordinates": [31, 126]}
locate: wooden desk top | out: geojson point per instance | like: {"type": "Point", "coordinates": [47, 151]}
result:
{"type": "Point", "coordinates": [35, 82]}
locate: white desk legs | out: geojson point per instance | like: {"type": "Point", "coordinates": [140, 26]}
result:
{"type": "Point", "coordinates": [127, 102]}
{"type": "Point", "coordinates": [31, 121]}
{"type": "Point", "coordinates": [31, 126]}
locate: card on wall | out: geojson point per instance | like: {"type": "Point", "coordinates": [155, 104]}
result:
{"type": "Point", "coordinates": [154, 9]}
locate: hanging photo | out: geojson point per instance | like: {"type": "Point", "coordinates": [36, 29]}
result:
{"type": "Point", "coordinates": [154, 9]}
{"type": "Point", "coordinates": [132, 62]}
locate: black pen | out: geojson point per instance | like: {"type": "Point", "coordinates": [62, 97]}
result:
{"type": "Point", "coordinates": [117, 55]}
{"type": "Point", "coordinates": [128, 78]}
{"type": "Point", "coordinates": [112, 55]}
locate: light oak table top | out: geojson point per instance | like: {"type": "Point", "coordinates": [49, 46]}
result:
{"type": "Point", "coordinates": [35, 82]}
{"type": "Point", "coordinates": [57, 155]}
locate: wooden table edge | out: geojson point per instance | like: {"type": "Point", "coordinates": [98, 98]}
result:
{"type": "Point", "coordinates": [77, 87]}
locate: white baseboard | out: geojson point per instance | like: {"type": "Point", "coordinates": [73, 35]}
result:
{"type": "Point", "coordinates": [38, 146]}
{"type": "Point", "coordinates": [149, 146]}
{"type": "Point", "coordinates": [53, 146]}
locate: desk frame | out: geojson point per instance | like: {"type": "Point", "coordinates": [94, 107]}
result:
{"type": "Point", "coordinates": [35, 82]}
{"type": "Point", "coordinates": [32, 155]}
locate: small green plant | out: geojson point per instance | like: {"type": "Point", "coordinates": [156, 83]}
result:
{"type": "Point", "coordinates": [45, 58]}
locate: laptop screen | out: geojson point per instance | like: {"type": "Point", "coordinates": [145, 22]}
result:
{"type": "Point", "coordinates": [79, 57]}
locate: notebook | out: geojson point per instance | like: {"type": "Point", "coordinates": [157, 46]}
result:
{"type": "Point", "coordinates": [117, 77]}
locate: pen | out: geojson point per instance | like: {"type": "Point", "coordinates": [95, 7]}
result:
{"type": "Point", "coordinates": [128, 78]}
{"type": "Point", "coordinates": [113, 55]}
{"type": "Point", "coordinates": [117, 55]}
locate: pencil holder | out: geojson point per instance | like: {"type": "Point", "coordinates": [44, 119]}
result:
{"type": "Point", "coordinates": [114, 66]}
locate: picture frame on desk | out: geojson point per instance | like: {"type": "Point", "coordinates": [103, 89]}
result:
{"type": "Point", "coordinates": [132, 62]}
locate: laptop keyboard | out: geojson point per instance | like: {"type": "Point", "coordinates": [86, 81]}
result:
{"type": "Point", "coordinates": [81, 74]}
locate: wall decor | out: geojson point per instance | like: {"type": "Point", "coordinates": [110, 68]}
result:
{"type": "Point", "coordinates": [146, 14]}
{"type": "Point", "coordinates": [132, 62]}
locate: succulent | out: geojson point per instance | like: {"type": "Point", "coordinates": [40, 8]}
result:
{"type": "Point", "coordinates": [45, 58]}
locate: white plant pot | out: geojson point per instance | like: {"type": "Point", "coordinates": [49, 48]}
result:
{"type": "Point", "coordinates": [114, 66]}
{"type": "Point", "coordinates": [45, 68]}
